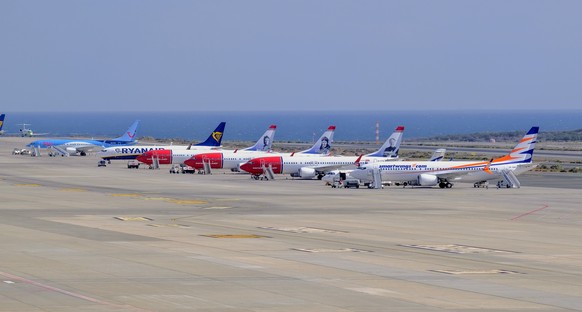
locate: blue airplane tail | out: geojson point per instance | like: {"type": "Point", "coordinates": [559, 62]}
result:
{"type": "Point", "coordinates": [2, 122]}
{"type": "Point", "coordinates": [215, 138]}
{"type": "Point", "coordinates": [129, 135]}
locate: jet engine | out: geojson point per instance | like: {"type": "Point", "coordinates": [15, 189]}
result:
{"type": "Point", "coordinates": [427, 180]}
{"type": "Point", "coordinates": [305, 173]}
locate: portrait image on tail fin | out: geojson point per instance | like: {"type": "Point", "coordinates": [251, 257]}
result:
{"type": "Point", "coordinates": [325, 146]}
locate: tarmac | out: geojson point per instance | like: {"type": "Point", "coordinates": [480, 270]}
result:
{"type": "Point", "coordinates": [77, 237]}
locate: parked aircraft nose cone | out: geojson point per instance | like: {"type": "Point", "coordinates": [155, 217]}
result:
{"type": "Point", "coordinates": [191, 162]}
{"type": "Point", "coordinates": [248, 167]}
{"type": "Point", "coordinates": [145, 158]}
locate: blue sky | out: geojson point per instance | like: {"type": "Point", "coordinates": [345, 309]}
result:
{"type": "Point", "coordinates": [289, 55]}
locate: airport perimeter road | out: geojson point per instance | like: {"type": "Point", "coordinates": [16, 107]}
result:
{"type": "Point", "coordinates": [76, 237]}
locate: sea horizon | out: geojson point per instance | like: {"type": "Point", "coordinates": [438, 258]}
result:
{"type": "Point", "coordinates": [292, 125]}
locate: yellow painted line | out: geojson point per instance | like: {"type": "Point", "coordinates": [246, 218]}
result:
{"type": "Point", "coordinates": [235, 236]}
{"type": "Point", "coordinates": [187, 201]}
{"type": "Point", "coordinates": [217, 207]}
{"type": "Point", "coordinates": [156, 198]}
{"type": "Point", "coordinates": [125, 195]}
{"type": "Point", "coordinates": [28, 184]}
{"type": "Point", "coordinates": [133, 219]}
{"type": "Point", "coordinates": [73, 189]}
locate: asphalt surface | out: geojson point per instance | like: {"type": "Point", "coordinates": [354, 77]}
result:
{"type": "Point", "coordinates": [76, 237]}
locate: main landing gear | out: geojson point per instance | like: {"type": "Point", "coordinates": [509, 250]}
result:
{"type": "Point", "coordinates": [445, 184]}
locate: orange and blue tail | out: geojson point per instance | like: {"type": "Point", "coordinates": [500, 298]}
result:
{"type": "Point", "coordinates": [522, 153]}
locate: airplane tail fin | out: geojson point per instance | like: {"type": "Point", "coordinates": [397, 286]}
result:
{"type": "Point", "coordinates": [323, 145]}
{"type": "Point", "coordinates": [438, 154]}
{"type": "Point", "coordinates": [522, 153]}
{"type": "Point", "coordinates": [391, 147]}
{"type": "Point", "coordinates": [129, 135]}
{"type": "Point", "coordinates": [215, 138]}
{"type": "Point", "coordinates": [265, 142]}
{"type": "Point", "coordinates": [2, 122]}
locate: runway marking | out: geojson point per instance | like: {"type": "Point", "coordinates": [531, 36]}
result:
{"type": "Point", "coordinates": [458, 249]}
{"type": "Point", "coordinates": [187, 201]}
{"type": "Point", "coordinates": [217, 207]}
{"type": "Point", "coordinates": [170, 225]}
{"type": "Point", "coordinates": [315, 250]}
{"type": "Point", "coordinates": [235, 236]}
{"type": "Point", "coordinates": [530, 212]}
{"type": "Point", "coordinates": [133, 219]}
{"type": "Point", "coordinates": [28, 184]}
{"type": "Point", "coordinates": [300, 229]}
{"type": "Point", "coordinates": [125, 195]}
{"type": "Point", "coordinates": [73, 189]}
{"type": "Point", "coordinates": [69, 293]}
{"type": "Point", "coordinates": [9, 282]}
{"type": "Point", "coordinates": [457, 272]}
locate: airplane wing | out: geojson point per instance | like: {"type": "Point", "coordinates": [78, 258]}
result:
{"type": "Point", "coordinates": [87, 148]}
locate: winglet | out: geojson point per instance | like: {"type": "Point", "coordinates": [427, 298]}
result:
{"type": "Point", "coordinates": [215, 138]}
{"type": "Point", "coordinates": [357, 162]}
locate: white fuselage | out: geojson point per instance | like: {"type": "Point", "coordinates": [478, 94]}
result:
{"type": "Point", "coordinates": [131, 152]}
{"type": "Point", "coordinates": [452, 171]}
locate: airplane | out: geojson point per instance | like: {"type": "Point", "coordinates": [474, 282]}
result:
{"type": "Point", "coordinates": [343, 174]}
{"type": "Point", "coordinates": [322, 145]}
{"type": "Point", "coordinates": [310, 167]}
{"type": "Point", "coordinates": [132, 152]}
{"type": "Point", "coordinates": [2, 123]}
{"type": "Point", "coordinates": [27, 132]}
{"type": "Point", "coordinates": [445, 173]}
{"type": "Point", "coordinates": [263, 144]}
{"type": "Point", "coordinates": [67, 147]}
{"type": "Point", "coordinates": [232, 159]}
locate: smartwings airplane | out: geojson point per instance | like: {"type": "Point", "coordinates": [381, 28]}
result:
{"type": "Point", "coordinates": [67, 147]}
{"type": "Point", "coordinates": [132, 152]}
{"type": "Point", "coordinates": [445, 173]}
{"type": "Point", "coordinates": [318, 165]}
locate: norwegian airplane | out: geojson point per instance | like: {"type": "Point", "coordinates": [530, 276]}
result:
{"type": "Point", "coordinates": [233, 159]}
{"type": "Point", "coordinates": [132, 152]}
{"type": "Point", "coordinates": [311, 167]}
{"type": "Point", "coordinates": [171, 156]}
{"type": "Point", "coordinates": [445, 173]}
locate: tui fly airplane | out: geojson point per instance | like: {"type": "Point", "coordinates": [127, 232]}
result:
{"type": "Point", "coordinates": [66, 147]}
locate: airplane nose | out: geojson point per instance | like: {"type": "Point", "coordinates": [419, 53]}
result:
{"type": "Point", "coordinates": [248, 167]}
{"type": "Point", "coordinates": [191, 162]}
{"type": "Point", "coordinates": [144, 159]}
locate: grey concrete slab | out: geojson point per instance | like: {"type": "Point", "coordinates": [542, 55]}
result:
{"type": "Point", "coordinates": [80, 238]}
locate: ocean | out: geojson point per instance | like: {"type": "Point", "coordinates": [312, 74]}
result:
{"type": "Point", "coordinates": [291, 126]}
